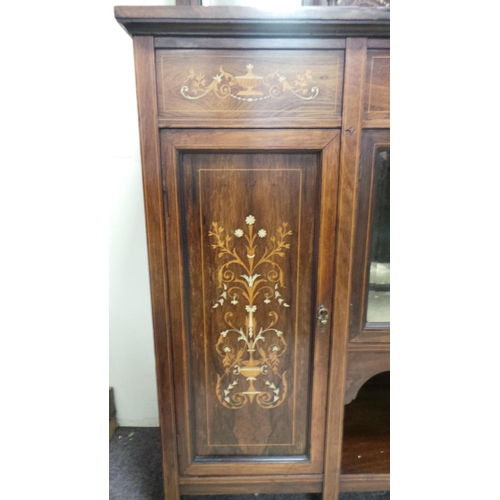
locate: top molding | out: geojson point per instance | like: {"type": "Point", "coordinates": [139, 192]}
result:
{"type": "Point", "coordinates": [302, 22]}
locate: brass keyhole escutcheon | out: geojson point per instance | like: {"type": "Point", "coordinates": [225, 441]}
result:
{"type": "Point", "coordinates": [323, 315]}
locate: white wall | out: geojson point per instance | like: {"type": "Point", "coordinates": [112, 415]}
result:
{"type": "Point", "coordinates": [131, 349]}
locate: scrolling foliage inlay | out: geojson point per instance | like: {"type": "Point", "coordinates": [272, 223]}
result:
{"type": "Point", "coordinates": [245, 87]}
{"type": "Point", "coordinates": [250, 352]}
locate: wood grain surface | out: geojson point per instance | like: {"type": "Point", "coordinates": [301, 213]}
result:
{"type": "Point", "coordinates": [349, 164]}
{"type": "Point", "coordinates": [155, 224]}
{"type": "Point", "coordinates": [303, 483]}
{"type": "Point", "coordinates": [225, 189]}
{"type": "Point", "coordinates": [363, 362]}
{"type": "Point", "coordinates": [206, 185]}
{"type": "Point", "coordinates": [366, 445]}
{"type": "Point", "coordinates": [249, 88]}
{"type": "Point", "coordinates": [251, 124]}
{"type": "Point", "coordinates": [376, 111]}
{"type": "Point", "coordinates": [192, 42]}
{"type": "Point", "coordinates": [365, 482]}
{"type": "Point", "coordinates": [249, 21]}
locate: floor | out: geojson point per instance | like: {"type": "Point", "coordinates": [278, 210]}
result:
{"type": "Point", "coordinates": [135, 471]}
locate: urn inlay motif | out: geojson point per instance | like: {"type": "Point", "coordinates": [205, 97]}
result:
{"type": "Point", "coordinates": [244, 87]}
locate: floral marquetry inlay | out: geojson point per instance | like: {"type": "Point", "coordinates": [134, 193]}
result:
{"type": "Point", "coordinates": [251, 349]}
{"type": "Point", "coordinates": [249, 87]}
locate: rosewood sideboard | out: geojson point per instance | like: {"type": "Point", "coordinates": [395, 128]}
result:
{"type": "Point", "coordinates": [265, 156]}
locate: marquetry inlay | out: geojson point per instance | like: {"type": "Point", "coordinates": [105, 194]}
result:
{"type": "Point", "coordinates": [250, 281]}
{"type": "Point", "coordinates": [249, 87]}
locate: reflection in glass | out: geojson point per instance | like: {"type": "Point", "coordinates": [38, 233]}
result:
{"type": "Point", "coordinates": [380, 266]}
{"type": "Point", "coordinates": [254, 3]}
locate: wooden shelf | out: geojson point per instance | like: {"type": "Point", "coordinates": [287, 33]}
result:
{"type": "Point", "coordinates": [366, 444]}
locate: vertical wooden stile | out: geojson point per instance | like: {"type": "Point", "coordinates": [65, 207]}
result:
{"type": "Point", "coordinates": [349, 163]}
{"type": "Point", "coordinates": [153, 201]}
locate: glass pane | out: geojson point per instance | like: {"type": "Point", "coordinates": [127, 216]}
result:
{"type": "Point", "coordinates": [380, 264]}
{"type": "Point", "coordinates": [255, 3]}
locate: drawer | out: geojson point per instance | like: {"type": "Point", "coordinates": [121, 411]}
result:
{"type": "Point", "coordinates": [377, 89]}
{"type": "Point", "coordinates": [249, 88]}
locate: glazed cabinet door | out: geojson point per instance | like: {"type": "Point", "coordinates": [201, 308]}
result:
{"type": "Point", "coordinates": [370, 320]}
{"type": "Point", "coordinates": [250, 234]}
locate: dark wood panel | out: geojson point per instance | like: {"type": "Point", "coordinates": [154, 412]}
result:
{"type": "Point", "coordinates": [363, 362]}
{"type": "Point", "coordinates": [376, 123]}
{"type": "Point", "coordinates": [306, 483]}
{"type": "Point", "coordinates": [244, 180]}
{"type": "Point", "coordinates": [365, 482]}
{"type": "Point", "coordinates": [360, 330]}
{"type": "Point", "coordinates": [377, 88]}
{"type": "Point", "coordinates": [263, 124]}
{"type": "Point", "coordinates": [165, 42]}
{"type": "Point", "coordinates": [366, 445]}
{"type": "Point", "coordinates": [249, 223]}
{"type": "Point", "coordinates": [249, 88]}
{"type": "Point", "coordinates": [379, 43]}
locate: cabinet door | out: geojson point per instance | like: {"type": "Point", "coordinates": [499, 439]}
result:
{"type": "Point", "coordinates": [371, 275]}
{"type": "Point", "coordinates": [250, 239]}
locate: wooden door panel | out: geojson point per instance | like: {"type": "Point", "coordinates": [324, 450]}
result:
{"type": "Point", "coordinates": [243, 227]}
{"type": "Point", "coordinates": [250, 227]}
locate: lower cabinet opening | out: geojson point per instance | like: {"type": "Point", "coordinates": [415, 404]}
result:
{"type": "Point", "coordinates": [366, 444]}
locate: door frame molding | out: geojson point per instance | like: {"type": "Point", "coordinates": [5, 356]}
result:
{"type": "Point", "coordinates": [325, 142]}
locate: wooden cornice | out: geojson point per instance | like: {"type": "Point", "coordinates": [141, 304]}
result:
{"type": "Point", "coordinates": [317, 22]}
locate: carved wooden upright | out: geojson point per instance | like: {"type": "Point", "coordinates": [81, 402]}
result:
{"type": "Point", "coordinates": [253, 129]}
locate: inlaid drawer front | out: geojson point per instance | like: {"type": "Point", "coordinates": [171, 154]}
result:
{"type": "Point", "coordinates": [377, 87]}
{"type": "Point", "coordinates": [249, 88]}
